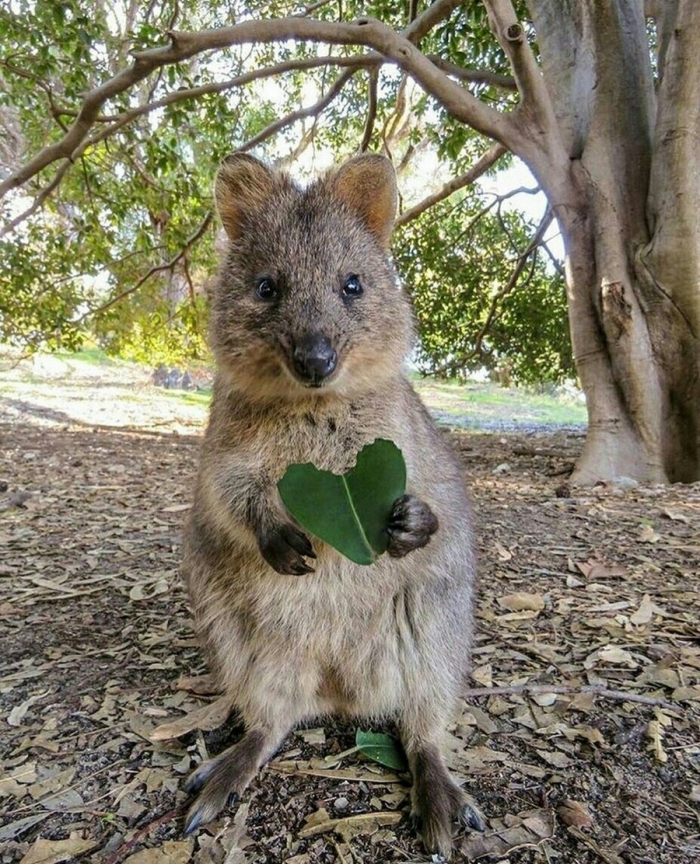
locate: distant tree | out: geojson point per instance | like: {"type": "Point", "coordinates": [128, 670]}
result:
{"type": "Point", "coordinates": [599, 99]}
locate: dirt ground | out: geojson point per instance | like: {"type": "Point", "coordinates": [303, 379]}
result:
{"type": "Point", "coordinates": [580, 739]}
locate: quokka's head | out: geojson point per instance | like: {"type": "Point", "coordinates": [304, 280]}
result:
{"type": "Point", "coordinates": [307, 302]}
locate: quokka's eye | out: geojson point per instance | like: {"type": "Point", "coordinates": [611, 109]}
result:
{"type": "Point", "coordinates": [266, 288]}
{"type": "Point", "coordinates": [352, 286]}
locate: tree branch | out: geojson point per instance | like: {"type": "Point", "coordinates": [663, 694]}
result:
{"type": "Point", "coordinates": [371, 110]}
{"type": "Point", "coordinates": [512, 38]}
{"type": "Point", "coordinates": [474, 76]}
{"type": "Point", "coordinates": [489, 158]}
{"type": "Point", "coordinates": [434, 14]}
{"type": "Point", "coordinates": [158, 268]}
{"type": "Point", "coordinates": [507, 288]}
{"type": "Point", "coordinates": [118, 121]}
{"type": "Point", "coordinates": [314, 110]}
{"type": "Point", "coordinates": [394, 46]}
{"type": "Point", "coordinates": [38, 201]}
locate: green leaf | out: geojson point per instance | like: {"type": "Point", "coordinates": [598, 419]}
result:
{"type": "Point", "coordinates": [382, 748]}
{"type": "Point", "coordinates": [351, 511]}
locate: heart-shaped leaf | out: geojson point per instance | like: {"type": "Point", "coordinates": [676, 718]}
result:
{"type": "Point", "coordinates": [383, 748]}
{"type": "Point", "coordinates": [350, 511]}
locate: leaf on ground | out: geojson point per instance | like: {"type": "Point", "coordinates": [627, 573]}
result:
{"type": "Point", "coordinates": [54, 782]}
{"type": "Point", "coordinates": [503, 553]}
{"type": "Point", "coordinates": [208, 717]}
{"type": "Point", "coordinates": [171, 852]}
{"type": "Point", "coordinates": [382, 748]}
{"type": "Point", "coordinates": [17, 714]}
{"type": "Point", "coordinates": [595, 570]}
{"type": "Point", "coordinates": [202, 685]}
{"type": "Point", "coordinates": [16, 782]}
{"type": "Point", "coordinates": [521, 600]}
{"type": "Point", "coordinates": [555, 758]}
{"type": "Point", "coordinates": [473, 715]}
{"type": "Point", "coordinates": [351, 511]}
{"type": "Point", "coordinates": [54, 851]}
{"type": "Point", "coordinates": [350, 826]}
{"type": "Point", "coordinates": [315, 737]}
{"type": "Point", "coordinates": [526, 829]}
{"type": "Point", "coordinates": [648, 535]}
{"type": "Point", "coordinates": [644, 613]}
{"type": "Point", "coordinates": [575, 813]}
{"type": "Point", "coordinates": [611, 654]}
{"type": "Point", "coordinates": [19, 826]}
{"type": "Point", "coordinates": [483, 675]}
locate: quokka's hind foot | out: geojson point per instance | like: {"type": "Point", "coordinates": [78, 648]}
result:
{"type": "Point", "coordinates": [220, 780]}
{"type": "Point", "coordinates": [437, 802]}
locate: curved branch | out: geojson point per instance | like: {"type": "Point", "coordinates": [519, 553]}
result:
{"type": "Point", "coordinates": [302, 113]}
{"type": "Point", "coordinates": [38, 201]}
{"type": "Point", "coordinates": [434, 14]}
{"type": "Point", "coordinates": [474, 76]}
{"type": "Point", "coordinates": [118, 121]}
{"type": "Point", "coordinates": [492, 155]}
{"type": "Point", "coordinates": [507, 288]}
{"type": "Point", "coordinates": [394, 46]}
{"type": "Point", "coordinates": [239, 81]}
{"type": "Point", "coordinates": [371, 110]}
{"type": "Point", "coordinates": [158, 268]}
{"type": "Point", "coordinates": [535, 101]}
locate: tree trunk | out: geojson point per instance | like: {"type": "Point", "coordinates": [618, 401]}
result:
{"type": "Point", "coordinates": [632, 235]}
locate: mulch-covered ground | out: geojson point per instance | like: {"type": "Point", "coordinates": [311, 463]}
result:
{"type": "Point", "coordinates": [581, 742]}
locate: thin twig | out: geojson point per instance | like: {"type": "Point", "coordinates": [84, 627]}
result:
{"type": "Point", "coordinates": [158, 268]}
{"type": "Point", "coordinates": [302, 113]}
{"type": "Point", "coordinates": [371, 109]}
{"type": "Point", "coordinates": [595, 689]}
{"type": "Point", "coordinates": [118, 854]}
{"type": "Point", "coordinates": [492, 155]}
{"type": "Point", "coordinates": [38, 201]}
{"type": "Point", "coordinates": [507, 288]}
{"type": "Point", "coordinates": [474, 76]}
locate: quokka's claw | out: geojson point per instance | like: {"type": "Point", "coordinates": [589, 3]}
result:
{"type": "Point", "coordinates": [470, 817]}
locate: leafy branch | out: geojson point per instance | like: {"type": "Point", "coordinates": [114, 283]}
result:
{"type": "Point", "coordinates": [509, 286]}
{"type": "Point", "coordinates": [167, 266]}
{"type": "Point", "coordinates": [492, 155]}
{"type": "Point", "coordinates": [399, 48]}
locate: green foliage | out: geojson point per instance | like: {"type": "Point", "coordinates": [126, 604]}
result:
{"type": "Point", "coordinates": [351, 511]}
{"type": "Point", "coordinates": [456, 261]}
{"type": "Point", "coordinates": [123, 250]}
{"type": "Point", "coordinates": [382, 748]}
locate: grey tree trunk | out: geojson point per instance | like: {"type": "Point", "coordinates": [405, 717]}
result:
{"type": "Point", "coordinates": [627, 206]}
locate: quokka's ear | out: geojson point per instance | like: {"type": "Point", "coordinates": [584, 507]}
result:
{"type": "Point", "coordinates": [367, 184]}
{"type": "Point", "coordinates": [243, 184]}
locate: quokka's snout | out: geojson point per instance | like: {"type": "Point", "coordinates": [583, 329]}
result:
{"type": "Point", "coordinates": [310, 369]}
{"type": "Point", "coordinates": [314, 358]}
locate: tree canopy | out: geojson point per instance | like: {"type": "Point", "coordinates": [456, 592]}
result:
{"type": "Point", "coordinates": [114, 117]}
{"type": "Point", "coordinates": [117, 240]}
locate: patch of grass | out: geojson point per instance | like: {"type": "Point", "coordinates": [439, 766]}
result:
{"type": "Point", "coordinates": [93, 356]}
{"type": "Point", "coordinates": [191, 397]}
{"type": "Point", "coordinates": [479, 402]}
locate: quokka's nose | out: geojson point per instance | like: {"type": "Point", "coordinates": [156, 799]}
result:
{"type": "Point", "coordinates": [314, 358]}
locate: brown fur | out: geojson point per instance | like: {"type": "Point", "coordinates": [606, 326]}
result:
{"type": "Point", "coordinates": [389, 640]}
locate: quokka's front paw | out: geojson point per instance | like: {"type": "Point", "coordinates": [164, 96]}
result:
{"type": "Point", "coordinates": [411, 525]}
{"type": "Point", "coordinates": [284, 547]}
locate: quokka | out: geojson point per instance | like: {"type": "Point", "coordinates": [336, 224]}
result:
{"type": "Point", "coordinates": [310, 330]}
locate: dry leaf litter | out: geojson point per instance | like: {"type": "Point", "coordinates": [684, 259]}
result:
{"type": "Point", "coordinates": [580, 738]}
